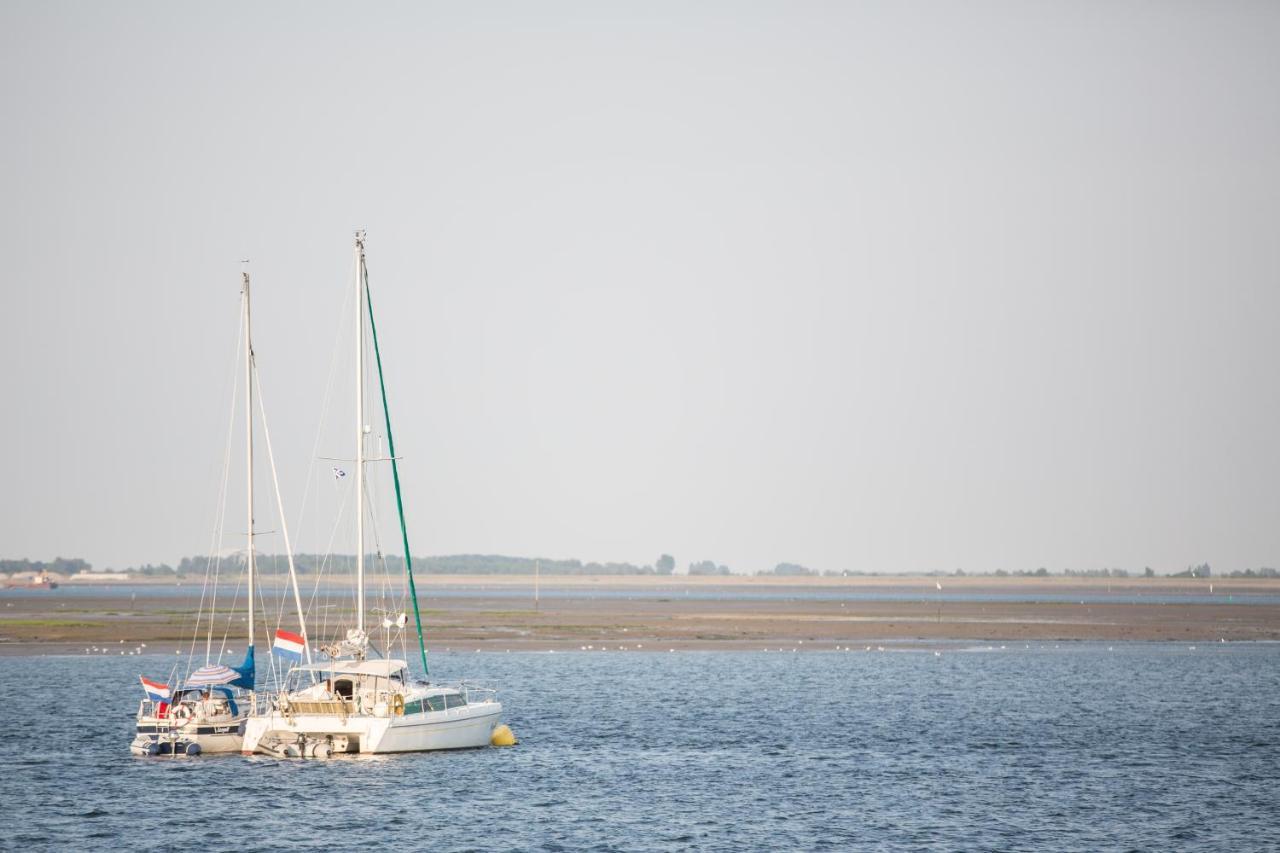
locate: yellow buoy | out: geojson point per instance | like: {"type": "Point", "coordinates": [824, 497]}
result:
{"type": "Point", "coordinates": [502, 736]}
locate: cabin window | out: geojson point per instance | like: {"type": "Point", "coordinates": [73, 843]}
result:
{"type": "Point", "coordinates": [453, 700]}
{"type": "Point", "coordinates": [434, 703]}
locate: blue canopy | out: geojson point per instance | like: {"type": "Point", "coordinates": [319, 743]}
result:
{"type": "Point", "coordinates": [246, 670]}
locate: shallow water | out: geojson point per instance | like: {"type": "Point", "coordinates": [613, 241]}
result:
{"type": "Point", "coordinates": [1144, 746]}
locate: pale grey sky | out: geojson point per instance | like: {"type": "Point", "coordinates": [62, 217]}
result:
{"type": "Point", "coordinates": [868, 286]}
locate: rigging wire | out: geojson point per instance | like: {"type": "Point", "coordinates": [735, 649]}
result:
{"type": "Point", "coordinates": [324, 411]}
{"type": "Point", "coordinates": [395, 474]}
{"type": "Point", "coordinates": [326, 563]}
{"type": "Point", "coordinates": [284, 527]}
{"type": "Point", "coordinates": [215, 543]}
{"type": "Point", "coordinates": [231, 611]}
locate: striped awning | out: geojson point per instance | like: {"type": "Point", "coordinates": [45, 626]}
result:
{"type": "Point", "coordinates": [208, 676]}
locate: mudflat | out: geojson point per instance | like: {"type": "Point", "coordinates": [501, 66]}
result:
{"type": "Point", "coordinates": [658, 613]}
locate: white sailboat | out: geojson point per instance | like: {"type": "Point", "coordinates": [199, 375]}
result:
{"type": "Point", "coordinates": [355, 701]}
{"type": "Point", "coordinates": [206, 713]}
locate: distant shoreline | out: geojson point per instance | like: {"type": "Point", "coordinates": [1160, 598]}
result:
{"type": "Point", "coordinates": [498, 612]}
{"type": "Point", "coordinates": [1055, 582]}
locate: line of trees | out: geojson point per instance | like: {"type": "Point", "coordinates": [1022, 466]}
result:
{"type": "Point", "coordinates": [496, 564]}
{"type": "Point", "coordinates": [61, 565]}
{"type": "Point", "coordinates": [790, 570]}
{"type": "Point", "coordinates": [458, 564]}
{"type": "Point", "coordinates": [708, 567]}
{"type": "Point", "coordinates": [1264, 572]}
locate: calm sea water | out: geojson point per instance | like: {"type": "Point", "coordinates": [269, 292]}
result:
{"type": "Point", "coordinates": [1074, 747]}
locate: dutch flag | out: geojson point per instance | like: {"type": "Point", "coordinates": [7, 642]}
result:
{"type": "Point", "coordinates": [156, 691]}
{"type": "Point", "coordinates": [288, 645]}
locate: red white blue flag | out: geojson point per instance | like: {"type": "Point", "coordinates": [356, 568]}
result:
{"type": "Point", "coordinates": [288, 645]}
{"type": "Point", "coordinates": [156, 691]}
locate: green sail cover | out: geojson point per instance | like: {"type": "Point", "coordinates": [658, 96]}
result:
{"type": "Point", "coordinates": [395, 475]}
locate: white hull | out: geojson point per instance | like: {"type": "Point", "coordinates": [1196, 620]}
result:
{"type": "Point", "coordinates": [464, 727]}
{"type": "Point", "coordinates": [162, 737]}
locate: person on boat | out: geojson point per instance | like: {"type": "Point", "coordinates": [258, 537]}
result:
{"type": "Point", "coordinates": [207, 707]}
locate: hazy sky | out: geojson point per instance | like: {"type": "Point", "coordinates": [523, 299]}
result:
{"type": "Point", "coordinates": [867, 286]}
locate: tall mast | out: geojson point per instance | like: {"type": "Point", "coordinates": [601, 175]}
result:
{"type": "Point", "coordinates": [359, 431]}
{"type": "Point", "coordinates": [248, 433]}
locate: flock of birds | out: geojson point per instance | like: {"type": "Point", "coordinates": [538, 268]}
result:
{"type": "Point", "coordinates": [137, 650]}
{"type": "Point", "coordinates": [591, 648]}
{"type": "Point", "coordinates": [106, 650]}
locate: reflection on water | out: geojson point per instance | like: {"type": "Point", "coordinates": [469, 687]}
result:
{"type": "Point", "coordinates": [1138, 746]}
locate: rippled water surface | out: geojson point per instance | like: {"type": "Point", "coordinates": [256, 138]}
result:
{"type": "Point", "coordinates": [1140, 746]}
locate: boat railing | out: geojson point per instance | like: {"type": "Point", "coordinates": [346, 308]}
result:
{"type": "Point", "coordinates": [267, 703]}
{"type": "Point", "coordinates": [482, 694]}
{"type": "Point", "coordinates": [337, 706]}
{"type": "Point", "coordinates": [149, 707]}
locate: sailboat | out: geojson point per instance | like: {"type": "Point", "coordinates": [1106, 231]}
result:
{"type": "Point", "coordinates": [204, 713]}
{"type": "Point", "coordinates": [356, 701]}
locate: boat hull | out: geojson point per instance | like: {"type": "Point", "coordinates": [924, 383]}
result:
{"type": "Point", "coordinates": [161, 737]}
{"type": "Point", "coordinates": [466, 727]}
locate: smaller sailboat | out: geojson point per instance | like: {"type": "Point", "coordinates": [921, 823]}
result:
{"type": "Point", "coordinates": [207, 712]}
{"type": "Point", "coordinates": [202, 716]}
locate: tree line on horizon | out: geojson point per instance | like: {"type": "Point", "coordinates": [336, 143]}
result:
{"type": "Point", "coordinates": [61, 565]}
{"type": "Point", "coordinates": [453, 564]}
{"type": "Point", "coordinates": [497, 564]}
